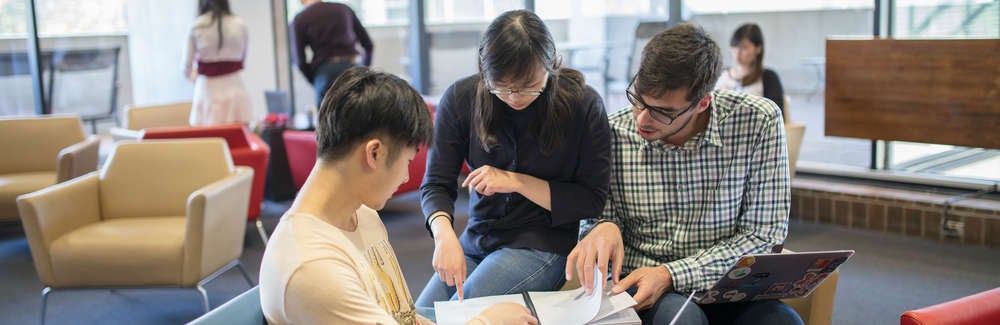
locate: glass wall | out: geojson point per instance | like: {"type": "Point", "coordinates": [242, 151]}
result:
{"type": "Point", "coordinates": [83, 52]}
{"type": "Point", "coordinates": [795, 36]}
{"type": "Point", "coordinates": [15, 76]}
{"type": "Point", "coordinates": [598, 37]}
{"type": "Point", "coordinates": [926, 19]}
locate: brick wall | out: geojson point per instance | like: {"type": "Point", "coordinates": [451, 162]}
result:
{"type": "Point", "coordinates": [894, 211]}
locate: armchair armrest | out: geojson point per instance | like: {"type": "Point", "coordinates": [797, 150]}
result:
{"type": "Point", "coordinates": [119, 134]}
{"type": "Point", "coordinates": [216, 222]}
{"type": "Point", "coordinates": [78, 159]}
{"type": "Point", "coordinates": [52, 212]}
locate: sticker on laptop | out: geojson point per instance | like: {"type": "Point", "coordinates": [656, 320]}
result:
{"type": "Point", "coordinates": [739, 272]}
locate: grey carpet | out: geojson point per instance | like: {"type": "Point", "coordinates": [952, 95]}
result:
{"type": "Point", "coordinates": [888, 275]}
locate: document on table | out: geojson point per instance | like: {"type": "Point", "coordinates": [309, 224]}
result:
{"type": "Point", "coordinates": [552, 307]}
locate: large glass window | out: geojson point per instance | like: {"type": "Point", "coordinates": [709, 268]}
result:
{"type": "Point", "coordinates": [15, 77]}
{"type": "Point", "coordinates": [794, 38]}
{"type": "Point", "coordinates": [598, 38]}
{"type": "Point", "coordinates": [80, 44]}
{"type": "Point", "coordinates": [927, 19]}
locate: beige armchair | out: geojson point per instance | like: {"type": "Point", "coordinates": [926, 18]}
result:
{"type": "Point", "coordinates": [141, 117]}
{"type": "Point", "coordinates": [794, 133]}
{"type": "Point", "coordinates": [38, 152]}
{"type": "Point", "coordinates": [158, 214]}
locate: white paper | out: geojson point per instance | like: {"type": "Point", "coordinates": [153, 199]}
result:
{"type": "Point", "coordinates": [458, 313]}
{"type": "Point", "coordinates": [553, 307]}
{"type": "Point", "coordinates": [611, 305]}
{"type": "Point", "coordinates": [624, 316]}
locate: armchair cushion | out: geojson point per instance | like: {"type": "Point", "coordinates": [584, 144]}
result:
{"type": "Point", "coordinates": [127, 183]}
{"type": "Point", "coordinates": [38, 152]}
{"type": "Point", "coordinates": [33, 144]}
{"type": "Point", "coordinates": [141, 117]}
{"type": "Point", "coordinates": [12, 185]}
{"type": "Point", "coordinates": [121, 252]}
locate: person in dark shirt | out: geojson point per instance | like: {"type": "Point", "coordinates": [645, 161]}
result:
{"type": "Point", "coordinates": [538, 141]}
{"type": "Point", "coordinates": [332, 31]}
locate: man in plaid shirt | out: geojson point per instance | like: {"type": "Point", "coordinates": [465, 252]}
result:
{"type": "Point", "coordinates": [699, 179]}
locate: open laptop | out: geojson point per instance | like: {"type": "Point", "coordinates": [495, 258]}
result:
{"type": "Point", "coordinates": [773, 276]}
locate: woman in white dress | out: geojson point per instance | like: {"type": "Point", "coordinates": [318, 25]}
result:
{"type": "Point", "coordinates": [216, 48]}
{"type": "Point", "coordinates": [749, 74]}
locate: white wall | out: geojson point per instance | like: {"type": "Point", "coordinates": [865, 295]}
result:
{"type": "Point", "coordinates": [259, 68]}
{"type": "Point", "coordinates": [157, 34]}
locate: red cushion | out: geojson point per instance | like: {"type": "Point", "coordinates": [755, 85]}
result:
{"type": "Point", "coordinates": [245, 147]}
{"type": "Point", "coordinates": [980, 308]}
{"type": "Point", "coordinates": [300, 146]}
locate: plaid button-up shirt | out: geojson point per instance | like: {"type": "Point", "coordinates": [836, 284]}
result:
{"type": "Point", "coordinates": [697, 208]}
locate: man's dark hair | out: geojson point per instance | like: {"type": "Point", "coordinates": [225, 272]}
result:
{"type": "Point", "coordinates": [681, 57]}
{"type": "Point", "coordinates": [362, 104]}
{"type": "Point", "coordinates": [513, 47]}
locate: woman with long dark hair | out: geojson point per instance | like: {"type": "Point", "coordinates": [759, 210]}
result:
{"type": "Point", "coordinates": [538, 142]}
{"type": "Point", "coordinates": [216, 48]}
{"type": "Point", "coordinates": [748, 74]}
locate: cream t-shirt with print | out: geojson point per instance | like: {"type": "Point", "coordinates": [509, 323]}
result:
{"type": "Point", "coordinates": [315, 273]}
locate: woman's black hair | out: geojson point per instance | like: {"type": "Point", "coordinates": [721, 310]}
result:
{"type": "Point", "coordinates": [218, 9]}
{"type": "Point", "coordinates": [513, 48]}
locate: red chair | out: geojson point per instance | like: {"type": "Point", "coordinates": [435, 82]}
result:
{"type": "Point", "coordinates": [980, 308]}
{"type": "Point", "coordinates": [246, 148]}
{"type": "Point", "coordinates": [301, 149]}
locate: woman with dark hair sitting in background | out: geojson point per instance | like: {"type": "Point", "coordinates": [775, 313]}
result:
{"type": "Point", "coordinates": [538, 141]}
{"type": "Point", "coordinates": [216, 48]}
{"type": "Point", "coordinates": [749, 74]}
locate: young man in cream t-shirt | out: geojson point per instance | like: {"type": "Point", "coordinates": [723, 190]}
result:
{"type": "Point", "coordinates": [329, 261]}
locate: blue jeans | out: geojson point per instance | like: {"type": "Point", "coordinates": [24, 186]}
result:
{"type": "Point", "coordinates": [751, 312]}
{"type": "Point", "coordinates": [503, 271]}
{"type": "Point", "coordinates": [326, 74]}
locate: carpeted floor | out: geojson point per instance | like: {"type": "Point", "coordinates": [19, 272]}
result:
{"type": "Point", "coordinates": [888, 275]}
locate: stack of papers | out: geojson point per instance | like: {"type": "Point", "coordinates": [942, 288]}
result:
{"type": "Point", "coordinates": [552, 307]}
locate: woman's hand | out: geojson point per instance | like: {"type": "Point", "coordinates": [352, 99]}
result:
{"type": "Point", "coordinates": [489, 180]}
{"type": "Point", "coordinates": [449, 259]}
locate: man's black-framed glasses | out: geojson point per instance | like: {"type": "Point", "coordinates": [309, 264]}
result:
{"type": "Point", "coordinates": [658, 114]}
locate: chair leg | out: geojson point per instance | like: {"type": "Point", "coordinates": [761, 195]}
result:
{"type": "Point", "coordinates": [204, 297]}
{"type": "Point", "coordinates": [261, 231]}
{"type": "Point", "coordinates": [45, 300]}
{"type": "Point", "coordinates": [245, 275]}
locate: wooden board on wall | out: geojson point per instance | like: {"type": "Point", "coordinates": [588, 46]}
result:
{"type": "Point", "coordinates": [931, 91]}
